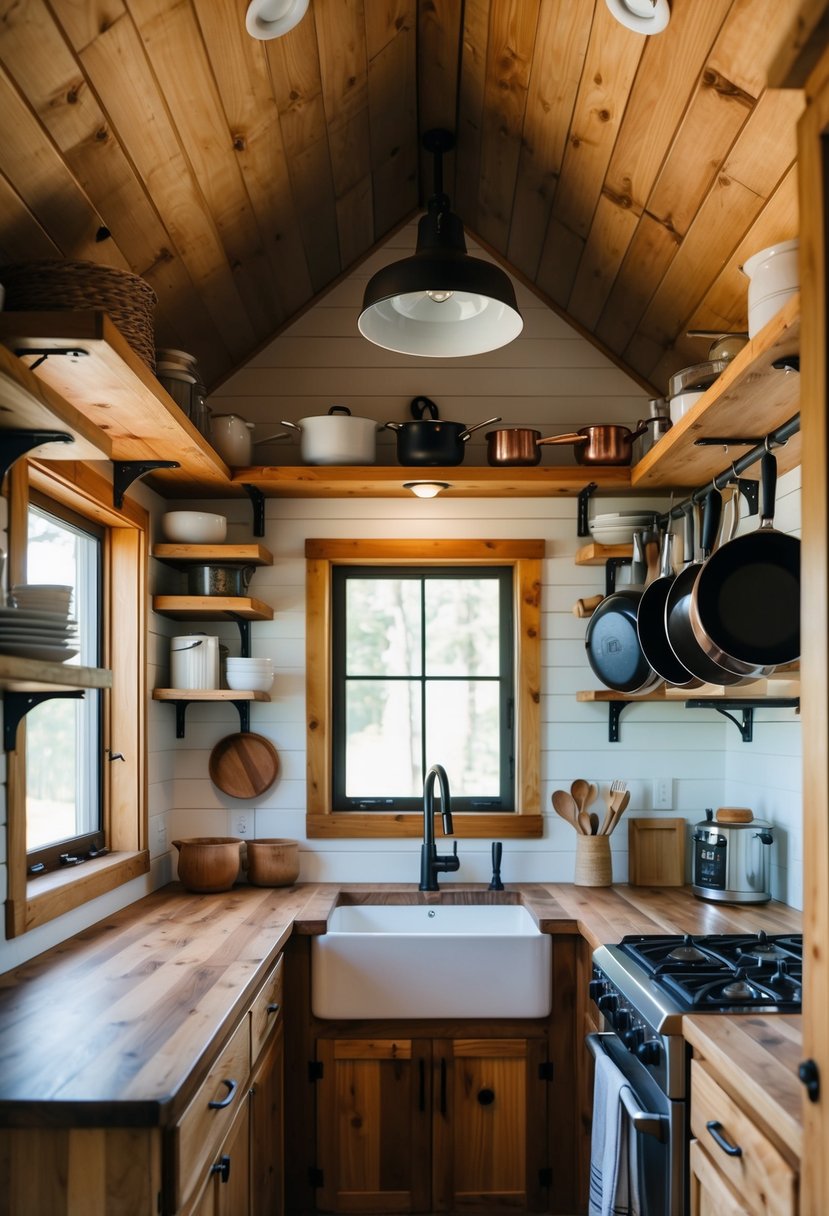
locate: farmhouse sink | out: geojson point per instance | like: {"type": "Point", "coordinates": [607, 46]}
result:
{"type": "Point", "coordinates": [431, 961]}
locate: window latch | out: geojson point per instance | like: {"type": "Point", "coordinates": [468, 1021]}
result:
{"type": "Point", "coordinates": [69, 859]}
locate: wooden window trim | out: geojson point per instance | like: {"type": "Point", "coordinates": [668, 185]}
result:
{"type": "Point", "coordinates": [31, 903]}
{"type": "Point", "coordinates": [525, 557]}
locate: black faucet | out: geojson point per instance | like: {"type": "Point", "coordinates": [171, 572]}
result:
{"type": "Point", "coordinates": [431, 862]}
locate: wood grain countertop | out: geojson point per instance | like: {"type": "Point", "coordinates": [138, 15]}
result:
{"type": "Point", "coordinates": [113, 1024]}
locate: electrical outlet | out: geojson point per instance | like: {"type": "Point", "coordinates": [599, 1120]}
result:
{"type": "Point", "coordinates": [663, 793]}
{"type": "Point", "coordinates": [161, 835]}
{"type": "Point", "coordinates": [243, 823]}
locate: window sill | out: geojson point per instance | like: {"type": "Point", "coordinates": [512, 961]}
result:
{"type": "Point", "coordinates": [52, 895]}
{"type": "Point", "coordinates": [470, 826]}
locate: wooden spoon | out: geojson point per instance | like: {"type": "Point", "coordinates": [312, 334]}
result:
{"type": "Point", "coordinates": [594, 824]}
{"type": "Point", "coordinates": [580, 790]}
{"type": "Point", "coordinates": [565, 806]}
{"type": "Point", "coordinates": [584, 823]}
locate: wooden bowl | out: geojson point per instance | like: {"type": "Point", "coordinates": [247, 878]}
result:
{"type": "Point", "coordinates": [208, 863]}
{"type": "Point", "coordinates": [273, 862]}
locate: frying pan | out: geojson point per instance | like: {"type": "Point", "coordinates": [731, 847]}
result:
{"type": "Point", "coordinates": [745, 606]}
{"type": "Point", "coordinates": [677, 607]}
{"type": "Point", "coordinates": [650, 619]}
{"type": "Point", "coordinates": [612, 643]}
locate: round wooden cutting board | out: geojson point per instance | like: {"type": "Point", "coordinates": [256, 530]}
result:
{"type": "Point", "coordinates": [243, 765]}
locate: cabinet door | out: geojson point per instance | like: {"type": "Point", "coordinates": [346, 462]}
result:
{"type": "Point", "coordinates": [266, 1131]}
{"type": "Point", "coordinates": [486, 1093]}
{"type": "Point", "coordinates": [227, 1189]}
{"type": "Point", "coordinates": [373, 1107]}
{"type": "Point", "coordinates": [710, 1193]}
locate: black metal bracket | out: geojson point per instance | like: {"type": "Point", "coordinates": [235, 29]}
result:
{"type": "Point", "coordinates": [787, 363]}
{"type": "Point", "coordinates": [728, 441]}
{"type": "Point", "coordinates": [583, 500]}
{"type": "Point", "coordinates": [614, 714]}
{"type": "Point", "coordinates": [610, 568]}
{"type": "Point", "coordinates": [745, 724]}
{"type": "Point", "coordinates": [125, 472]}
{"type": "Point", "coordinates": [17, 704]}
{"type": "Point", "coordinates": [244, 633]}
{"type": "Point", "coordinates": [242, 708]}
{"type": "Point", "coordinates": [17, 443]}
{"type": "Point", "coordinates": [750, 490]}
{"type": "Point", "coordinates": [67, 352]}
{"type": "Point", "coordinates": [257, 499]}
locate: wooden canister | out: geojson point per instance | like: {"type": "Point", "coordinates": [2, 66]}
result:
{"type": "Point", "coordinates": [593, 861]}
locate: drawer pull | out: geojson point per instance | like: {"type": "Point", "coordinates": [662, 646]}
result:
{"type": "Point", "coordinates": [231, 1090]}
{"type": "Point", "coordinates": [273, 1008]}
{"type": "Point", "coordinates": [715, 1128]}
{"type": "Point", "coordinates": [222, 1168]}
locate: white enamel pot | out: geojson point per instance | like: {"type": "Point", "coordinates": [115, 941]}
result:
{"type": "Point", "coordinates": [773, 276]}
{"type": "Point", "coordinates": [337, 438]}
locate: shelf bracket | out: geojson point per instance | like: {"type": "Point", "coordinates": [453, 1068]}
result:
{"type": "Point", "coordinates": [610, 568]}
{"type": "Point", "coordinates": [125, 472]}
{"type": "Point", "coordinates": [18, 443]}
{"type": "Point", "coordinates": [42, 354]}
{"type": "Point", "coordinates": [745, 724]}
{"type": "Point", "coordinates": [257, 499]}
{"type": "Point", "coordinates": [614, 713]}
{"type": "Point", "coordinates": [17, 704]}
{"type": "Point", "coordinates": [787, 363]}
{"type": "Point", "coordinates": [242, 708]}
{"type": "Point", "coordinates": [244, 633]}
{"type": "Point", "coordinates": [750, 490]}
{"type": "Point", "coordinates": [583, 500]}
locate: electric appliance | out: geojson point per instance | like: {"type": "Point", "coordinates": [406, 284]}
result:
{"type": "Point", "coordinates": [732, 861]}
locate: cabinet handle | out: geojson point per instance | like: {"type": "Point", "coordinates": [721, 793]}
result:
{"type": "Point", "coordinates": [486, 1096]}
{"type": "Point", "coordinates": [222, 1168]}
{"type": "Point", "coordinates": [274, 1008]}
{"type": "Point", "coordinates": [422, 1097]}
{"type": "Point", "coordinates": [231, 1090]}
{"type": "Point", "coordinates": [715, 1128]}
{"type": "Point", "coordinates": [443, 1087]}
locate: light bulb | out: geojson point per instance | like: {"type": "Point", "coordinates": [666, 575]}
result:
{"type": "Point", "coordinates": [440, 297]}
{"type": "Point", "coordinates": [426, 489]}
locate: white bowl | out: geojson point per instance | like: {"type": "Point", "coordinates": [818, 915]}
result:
{"type": "Point", "coordinates": [621, 535]}
{"type": "Point", "coordinates": [762, 311]}
{"type": "Point", "coordinates": [194, 527]}
{"type": "Point", "coordinates": [249, 682]}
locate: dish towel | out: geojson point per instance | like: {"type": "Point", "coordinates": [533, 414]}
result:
{"type": "Point", "coordinates": [613, 1165]}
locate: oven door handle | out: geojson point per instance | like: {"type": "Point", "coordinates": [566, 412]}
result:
{"type": "Point", "coordinates": [644, 1123]}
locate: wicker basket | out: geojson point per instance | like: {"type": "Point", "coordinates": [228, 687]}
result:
{"type": "Point", "coordinates": [74, 286]}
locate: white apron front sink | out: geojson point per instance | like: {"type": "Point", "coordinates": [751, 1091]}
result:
{"type": "Point", "coordinates": [431, 961]}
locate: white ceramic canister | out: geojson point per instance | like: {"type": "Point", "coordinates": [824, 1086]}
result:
{"type": "Point", "coordinates": [231, 436]}
{"type": "Point", "coordinates": [194, 661]}
{"type": "Point", "coordinates": [773, 277]}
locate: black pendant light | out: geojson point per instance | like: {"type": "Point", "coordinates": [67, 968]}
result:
{"type": "Point", "coordinates": [441, 302]}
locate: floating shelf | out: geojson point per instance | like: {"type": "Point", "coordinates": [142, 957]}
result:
{"type": "Point", "coordinates": [34, 675]}
{"type": "Point", "coordinates": [212, 607]}
{"type": "Point", "coordinates": [724, 701]}
{"type": "Point", "coordinates": [597, 555]}
{"type": "Point", "coordinates": [182, 697]}
{"type": "Point", "coordinates": [186, 555]}
{"type": "Point", "coordinates": [465, 481]}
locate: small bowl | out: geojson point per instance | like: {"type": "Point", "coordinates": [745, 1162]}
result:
{"type": "Point", "coordinates": [249, 681]}
{"type": "Point", "coordinates": [194, 527]}
{"type": "Point", "coordinates": [272, 862]}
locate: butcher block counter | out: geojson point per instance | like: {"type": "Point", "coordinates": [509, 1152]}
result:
{"type": "Point", "coordinates": [113, 1024]}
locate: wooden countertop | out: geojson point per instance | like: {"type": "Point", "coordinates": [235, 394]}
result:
{"type": "Point", "coordinates": [109, 1025]}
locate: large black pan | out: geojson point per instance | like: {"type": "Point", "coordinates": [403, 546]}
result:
{"type": "Point", "coordinates": [650, 619]}
{"type": "Point", "coordinates": [745, 605]}
{"type": "Point", "coordinates": [612, 643]}
{"type": "Point", "coordinates": [677, 607]}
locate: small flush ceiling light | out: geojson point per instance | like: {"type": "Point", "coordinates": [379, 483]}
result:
{"type": "Point", "coordinates": [273, 18]}
{"type": "Point", "coordinates": [440, 302]}
{"type": "Point", "coordinates": [642, 16]}
{"type": "Point", "coordinates": [426, 489]}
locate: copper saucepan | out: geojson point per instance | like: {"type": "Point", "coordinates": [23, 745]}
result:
{"type": "Point", "coordinates": [514, 445]}
{"type": "Point", "coordinates": [601, 444]}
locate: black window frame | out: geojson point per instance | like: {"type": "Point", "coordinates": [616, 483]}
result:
{"type": "Point", "coordinates": [505, 803]}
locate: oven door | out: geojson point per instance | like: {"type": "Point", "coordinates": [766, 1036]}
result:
{"type": "Point", "coordinates": [658, 1124]}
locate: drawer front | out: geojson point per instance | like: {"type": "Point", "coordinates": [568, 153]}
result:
{"type": "Point", "coordinates": [763, 1179]}
{"type": "Point", "coordinates": [203, 1126]}
{"type": "Point", "coordinates": [266, 1010]}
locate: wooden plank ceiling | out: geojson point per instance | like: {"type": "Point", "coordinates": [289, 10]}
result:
{"type": "Point", "coordinates": [626, 177]}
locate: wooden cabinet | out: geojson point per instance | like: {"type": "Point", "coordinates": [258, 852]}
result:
{"type": "Point", "coordinates": [430, 1124]}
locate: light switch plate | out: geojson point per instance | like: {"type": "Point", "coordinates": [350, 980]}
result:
{"type": "Point", "coordinates": [663, 793]}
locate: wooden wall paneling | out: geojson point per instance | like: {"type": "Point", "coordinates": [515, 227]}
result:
{"type": "Point", "coordinates": [117, 67]}
{"type": "Point", "coordinates": [649, 254]}
{"type": "Point", "coordinates": [813, 143]}
{"type": "Point", "coordinates": [84, 21]}
{"type": "Point", "coordinates": [509, 59]}
{"type": "Point", "coordinates": [560, 257]}
{"type": "Point", "coordinates": [240, 68]}
{"type": "Point", "coordinates": [613, 228]}
{"type": "Point", "coordinates": [438, 61]}
{"type": "Point", "coordinates": [29, 159]}
{"type": "Point", "coordinates": [19, 230]}
{"type": "Point", "coordinates": [171, 36]}
{"type": "Point", "coordinates": [469, 126]}
{"type": "Point", "coordinates": [746, 46]}
{"type": "Point", "coordinates": [392, 112]}
{"type": "Point", "coordinates": [297, 87]}
{"type": "Point", "coordinates": [561, 40]}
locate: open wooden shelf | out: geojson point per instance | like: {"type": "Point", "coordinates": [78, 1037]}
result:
{"type": "Point", "coordinates": [212, 607]}
{"type": "Point", "coordinates": [29, 404]}
{"type": "Point", "coordinates": [208, 694]}
{"type": "Point", "coordinates": [465, 481]}
{"type": "Point", "coordinates": [183, 555]}
{"type": "Point", "coordinates": [35, 675]}
{"type": "Point", "coordinates": [750, 399]}
{"type": "Point", "coordinates": [597, 555]}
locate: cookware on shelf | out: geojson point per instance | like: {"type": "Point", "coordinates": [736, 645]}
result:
{"type": "Point", "coordinates": [193, 527]}
{"type": "Point", "coordinates": [431, 441]}
{"type": "Point", "coordinates": [232, 438]}
{"type": "Point", "coordinates": [194, 661]}
{"type": "Point", "coordinates": [208, 863]}
{"type": "Point", "coordinates": [773, 276]}
{"type": "Point", "coordinates": [243, 765]}
{"type": "Point", "coordinates": [650, 618]}
{"type": "Point", "coordinates": [513, 446]}
{"type": "Point", "coordinates": [744, 610]}
{"type": "Point", "coordinates": [219, 580]}
{"type": "Point", "coordinates": [686, 387]}
{"type": "Point", "coordinates": [614, 651]}
{"type": "Point", "coordinates": [605, 443]}
{"type": "Point", "coordinates": [336, 437]}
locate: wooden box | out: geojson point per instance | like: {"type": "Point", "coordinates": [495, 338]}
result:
{"type": "Point", "coordinates": [656, 852]}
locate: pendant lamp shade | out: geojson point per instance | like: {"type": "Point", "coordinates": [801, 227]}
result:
{"type": "Point", "coordinates": [440, 302]}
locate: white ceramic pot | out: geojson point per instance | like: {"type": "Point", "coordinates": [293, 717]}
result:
{"type": "Point", "coordinates": [683, 402]}
{"type": "Point", "coordinates": [194, 661]}
{"type": "Point", "coordinates": [337, 438]}
{"type": "Point", "coordinates": [773, 276]}
{"type": "Point", "coordinates": [194, 527]}
{"type": "Point", "coordinates": [231, 436]}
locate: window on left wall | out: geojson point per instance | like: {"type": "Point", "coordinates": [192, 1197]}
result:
{"type": "Point", "coordinates": [76, 779]}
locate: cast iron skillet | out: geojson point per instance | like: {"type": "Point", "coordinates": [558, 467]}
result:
{"type": "Point", "coordinates": [612, 642]}
{"type": "Point", "coordinates": [650, 619]}
{"type": "Point", "coordinates": [745, 607]}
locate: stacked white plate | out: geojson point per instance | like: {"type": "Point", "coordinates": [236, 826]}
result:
{"type": "Point", "coordinates": [251, 675]}
{"type": "Point", "coordinates": [617, 527]}
{"type": "Point", "coordinates": [43, 597]}
{"type": "Point", "coordinates": [37, 635]}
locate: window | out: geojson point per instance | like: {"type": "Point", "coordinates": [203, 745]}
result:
{"type": "Point", "coordinates": [422, 673]}
{"type": "Point", "coordinates": [422, 652]}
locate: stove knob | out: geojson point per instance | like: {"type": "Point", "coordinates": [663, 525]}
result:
{"type": "Point", "coordinates": [608, 1002]}
{"type": "Point", "coordinates": [595, 989]}
{"type": "Point", "coordinates": [633, 1038]}
{"type": "Point", "coordinates": [649, 1051]}
{"type": "Point", "coordinates": [621, 1019]}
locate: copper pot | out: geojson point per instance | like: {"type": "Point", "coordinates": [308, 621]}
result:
{"type": "Point", "coordinates": [515, 445]}
{"type": "Point", "coordinates": [601, 444]}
